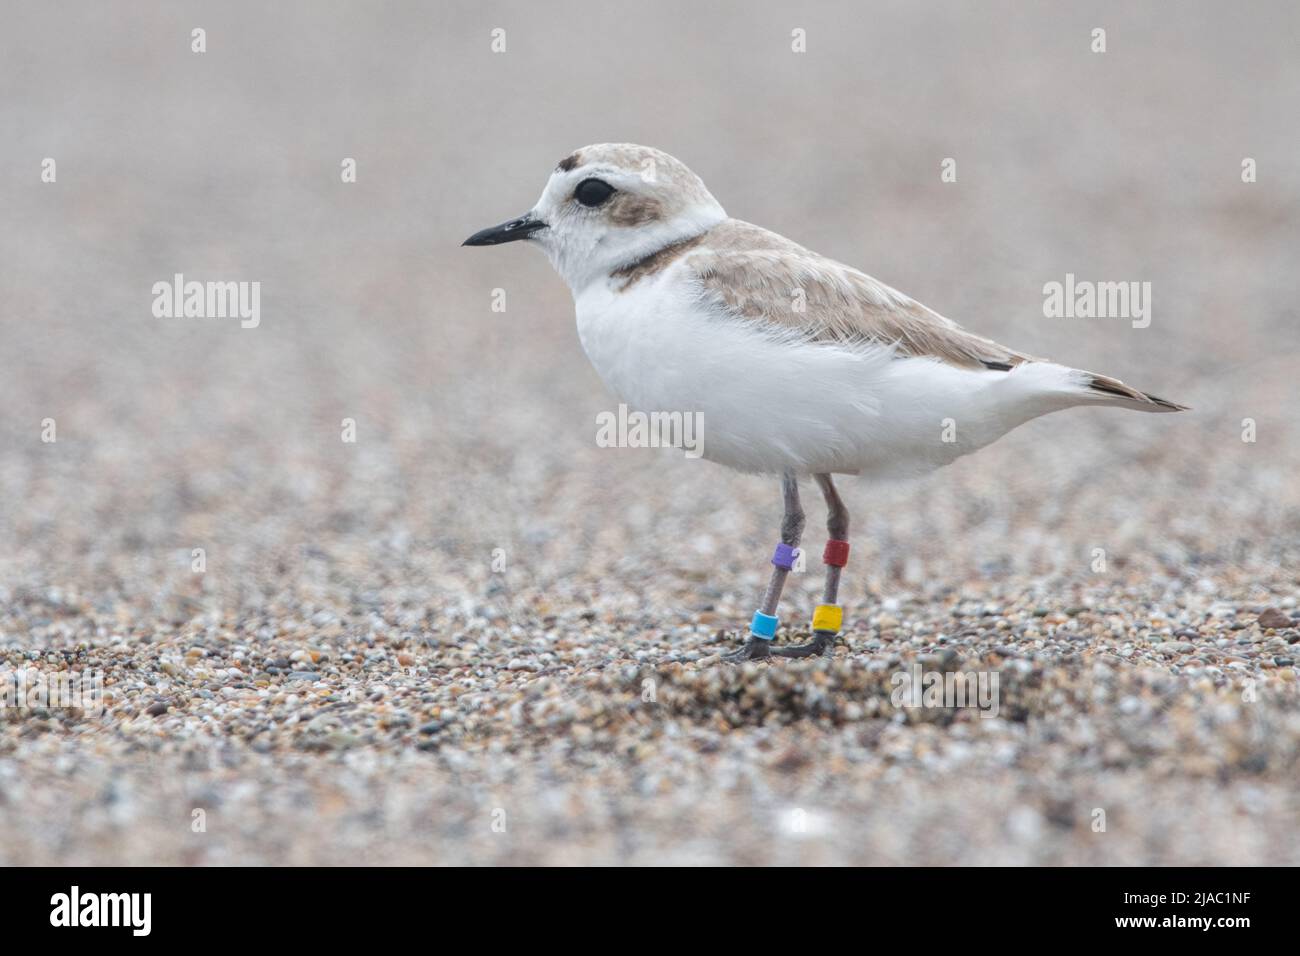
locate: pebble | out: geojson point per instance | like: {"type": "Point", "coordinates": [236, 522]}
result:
{"type": "Point", "coordinates": [1274, 618]}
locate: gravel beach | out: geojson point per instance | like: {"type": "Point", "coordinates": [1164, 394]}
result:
{"type": "Point", "coordinates": [470, 635]}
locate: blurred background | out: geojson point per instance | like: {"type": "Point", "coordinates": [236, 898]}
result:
{"type": "Point", "coordinates": [476, 429]}
{"type": "Point", "coordinates": [473, 424]}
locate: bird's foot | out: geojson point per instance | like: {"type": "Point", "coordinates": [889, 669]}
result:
{"type": "Point", "coordinates": [755, 649]}
{"type": "Point", "coordinates": [822, 645]}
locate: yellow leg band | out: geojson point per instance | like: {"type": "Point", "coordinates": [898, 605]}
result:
{"type": "Point", "coordinates": [828, 617]}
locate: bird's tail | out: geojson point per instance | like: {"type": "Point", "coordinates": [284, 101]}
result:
{"type": "Point", "coordinates": [1104, 390]}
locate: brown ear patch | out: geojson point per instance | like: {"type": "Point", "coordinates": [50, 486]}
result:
{"type": "Point", "coordinates": [629, 210]}
{"type": "Point", "coordinates": [655, 262]}
{"type": "Point", "coordinates": [569, 163]}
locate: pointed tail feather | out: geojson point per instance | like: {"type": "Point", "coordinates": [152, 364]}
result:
{"type": "Point", "coordinates": [1111, 391]}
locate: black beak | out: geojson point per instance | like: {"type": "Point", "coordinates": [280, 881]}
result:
{"type": "Point", "coordinates": [515, 229]}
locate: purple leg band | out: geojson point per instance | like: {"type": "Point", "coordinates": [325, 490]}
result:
{"type": "Point", "coordinates": [784, 556]}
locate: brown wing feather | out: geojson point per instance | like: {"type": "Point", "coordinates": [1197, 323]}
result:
{"type": "Point", "coordinates": [763, 276]}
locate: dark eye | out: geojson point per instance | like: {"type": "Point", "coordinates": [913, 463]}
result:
{"type": "Point", "coordinates": [593, 192]}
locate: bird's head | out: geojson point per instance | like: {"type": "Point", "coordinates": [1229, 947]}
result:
{"type": "Point", "coordinates": [608, 206]}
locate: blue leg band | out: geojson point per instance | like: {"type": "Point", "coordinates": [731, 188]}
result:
{"type": "Point", "coordinates": [764, 625]}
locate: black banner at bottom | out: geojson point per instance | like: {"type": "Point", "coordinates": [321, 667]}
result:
{"type": "Point", "coordinates": [329, 905]}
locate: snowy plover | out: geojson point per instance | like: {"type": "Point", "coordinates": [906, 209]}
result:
{"type": "Point", "coordinates": [798, 364]}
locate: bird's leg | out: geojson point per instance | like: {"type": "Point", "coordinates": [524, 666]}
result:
{"type": "Point", "coordinates": [829, 616]}
{"type": "Point", "coordinates": [763, 627]}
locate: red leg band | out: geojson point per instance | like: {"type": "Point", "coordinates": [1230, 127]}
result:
{"type": "Point", "coordinates": [836, 553]}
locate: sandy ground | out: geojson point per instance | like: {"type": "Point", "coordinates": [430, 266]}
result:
{"type": "Point", "coordinates": [472, 635]}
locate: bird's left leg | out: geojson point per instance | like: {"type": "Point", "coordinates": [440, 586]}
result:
{"type": "Point", "coordinates": [763, 627]}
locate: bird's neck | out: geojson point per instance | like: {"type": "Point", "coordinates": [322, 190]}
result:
{"type": "Point", "coordinates": [623, 250]}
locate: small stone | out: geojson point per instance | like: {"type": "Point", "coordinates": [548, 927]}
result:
{"type": "Point", "coordinates": [1273, 618]}
{"type": "Point", "coordinates": [157, 709]}
{"type": "Point", "coordinates": [303, 675]}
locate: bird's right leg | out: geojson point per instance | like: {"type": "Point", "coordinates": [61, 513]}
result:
{"type": "Point", "coordinates": [763, 628]}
